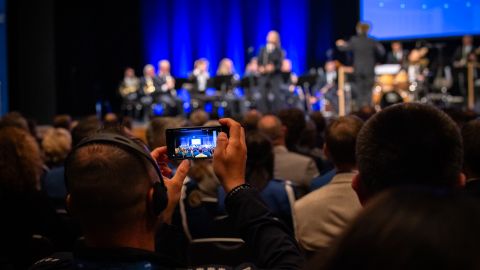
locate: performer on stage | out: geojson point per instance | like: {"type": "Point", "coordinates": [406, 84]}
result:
{"type": "Point", "coordinates": [461, 57]}
{"type": "Point", "coordinates": [199, 76]}
{"type": "Point", "coordinates": [128, 89]}
{"type": "Point", "coordinates": [365, 52]}
{"type": "Point", "coordinates": [168, 82]}
{"type": "Point", "coordinates": [149, 86]}
{"type": "Point", "coordinates": [270, 63]}
{"type": "Point", "coordinates": [398, 55]}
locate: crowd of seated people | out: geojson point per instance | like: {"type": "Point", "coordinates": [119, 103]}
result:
{"type": "Point", "coordinates": [396, 189]}
{"type": "Point", "coordinates": [195, 151]}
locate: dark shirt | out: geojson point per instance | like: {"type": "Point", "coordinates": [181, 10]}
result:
{"type": "Point", "coordinates": [268, 238]}
{"type": "Point", "coordinates": [274, 57]}
{"type": "Point", "coordinates": [365, 51]}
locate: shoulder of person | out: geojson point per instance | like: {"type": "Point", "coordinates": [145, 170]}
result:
{"type": "Point", "coordinates": [60, 261]}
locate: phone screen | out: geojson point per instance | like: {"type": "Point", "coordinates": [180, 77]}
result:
{"type": "Point", "coordinates": [192, 143]}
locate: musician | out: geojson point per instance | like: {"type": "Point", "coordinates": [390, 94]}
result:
{"type": "Point", "coordinates": [167, 80]}
{"type": "Point", "coordinates": [270, 64]}
{"type": "Point", "coordinates": [150, 85]}
{"type": "Point", "coordinates": [398, 55]}
{"type": "Point", "coordinates": [128, 89]}
{"type": "Point", "coordinates": [365, 52]}
{"type": "Point", "coordinates": [252, 68]}
{"type": "Point", "coordinates": [288, 89]}
{"type": "Point", "coordinates": [199, 76]}
{"type": "Point", "coordinates": [328, 83]}
{"type": "Point", "coordinates": [463, 54]}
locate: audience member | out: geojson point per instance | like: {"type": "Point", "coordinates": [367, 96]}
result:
{"type": "Point", "coordinates": [411, 229]}
{"type": "Point", "coordinates": [278, 194]}
{"type": "Point", "coordinates": [115, 192]}
{"type": "Point", "coordinates": [409, 144]}
{"type": "Point", "coordinates": [320, 125]}
{"type": "Point", "coordinates": [322, 215]}
{"type": "Point", "coordinates": [85, 127]}
{"type": "Point", "coordinates": [56, 145]}
{"type": "Point", "coordinates": [294, 121]}
{"type": "Point", "coordinates": [288, 165]}
{"type": "Point", "coordinates": [62, 121]}
{"type": "Point", "coordinates": [156, 130]}
{"type": "Point", "coordinates": [250, 120]}
{"type": "Point", "coordinates": [471, 156]}
{"type": "Point", "coordinates": [14, 119]}
{"type": "Point", "coordinates": [198, 118]}
{"type": "Point", "coordinates": [26, 210]}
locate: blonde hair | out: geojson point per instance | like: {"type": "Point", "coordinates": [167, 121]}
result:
{"type": "Point", "coordinates": [56, 144]}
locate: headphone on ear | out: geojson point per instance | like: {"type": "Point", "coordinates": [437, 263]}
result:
{"type": "Point", "coordinates": [160, 197]}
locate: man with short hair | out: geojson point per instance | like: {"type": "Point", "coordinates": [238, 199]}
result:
{"type": "Point", "coordinates": [322, 215]}
{"type": "Point", "coordinates": [408, 144]}
{"type": "Point", "coordinates": [113, 192]}
{"type": "Point", "coordinates": [288, 165]}
{"type": "Point", "coordinates": [471, 156]}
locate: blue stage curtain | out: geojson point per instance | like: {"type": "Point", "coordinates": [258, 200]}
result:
{"type": "Point", "coordinates": [3, 60]}
{"type": "Point", "coordinates": [185, 30]}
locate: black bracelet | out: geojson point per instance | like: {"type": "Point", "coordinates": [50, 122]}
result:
{"type": "Point", "coordinates": [237, 189]}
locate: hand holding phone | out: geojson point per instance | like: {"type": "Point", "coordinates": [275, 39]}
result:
{"type": "Point", "coordinates": [192, 142]}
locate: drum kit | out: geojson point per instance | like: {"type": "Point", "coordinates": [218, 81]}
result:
{"type": "Point", "coordinates": [392, 86]}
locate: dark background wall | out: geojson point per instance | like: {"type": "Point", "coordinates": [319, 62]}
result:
{"type": "Point", "coordinates": [64, 56]}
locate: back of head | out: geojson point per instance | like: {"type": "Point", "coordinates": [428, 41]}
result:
{"type": "Point", "coordinates": [107, 186]}
{"type": "Point", "coordinates": [341, 139]}
{"type": "Point", "coordinates": [20, 161]}
{"type": "Point", "coordinates": [62, 121]}
{"type": "Point", "coordinates": [198, 117]}
{"type": "Point", "coordinates": [156, 130]}
{"type": "Point", "coordinates": [250, 120]}
{"type": "Point", "coordinates": [56, 145]}
{"type": "Point", "coordinates": [408, 144]}
{"type": "Point", "coordinates": [260, 160]}
{"type": "Point", "coordinates": [294, 120]}
{"type": "Point", "coordinates": [14, 119]}
{"type": "Point", "coordinates": [471, 149]}
{"type": "Point", "coordinates": [412, 229]}
{"type": "Point", "coordinates": [271, 126]}
{"type": "Point", "coordinates": [85, 128]}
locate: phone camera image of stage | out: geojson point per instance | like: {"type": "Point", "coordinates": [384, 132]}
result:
{"type": "Point", "coordinates": [195, 143]}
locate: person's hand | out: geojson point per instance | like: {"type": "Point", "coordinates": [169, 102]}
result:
{"type": "Point", "coordinates": [270, 68]}
{"type": "Point", "coordinates": [174, 184]}
{"type": "Point", "coordinates": [230, 155]}
{"type": "Point", "coordinates": [340, 43]}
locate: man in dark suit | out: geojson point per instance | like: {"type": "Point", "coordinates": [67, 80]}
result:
{"type": "Point", "coordinates": [463, 54]}
{"type": "Point", "coordinates": [270, 63]}
{"type": "Point", "coordinates": [398, 55]}
{"type": "Point", "coordinates": [365, 52]}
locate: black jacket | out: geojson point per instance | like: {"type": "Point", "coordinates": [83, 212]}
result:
{"type": "Point", "coordinates": [267, 238]}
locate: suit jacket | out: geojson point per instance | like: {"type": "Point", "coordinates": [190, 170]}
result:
{"type": "Point", "coordinates": [365, 52]}
{"type": "Point", "coordinates": [275, 57]}
{"type": "Point", "coordinates": [391, 59]}
{"type": "Point", "coordinates": [322, 215]}
{"type": "Point", "coordinates": [291, 166]}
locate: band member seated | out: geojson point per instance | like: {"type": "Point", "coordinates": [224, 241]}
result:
{"type": "Point", "coordinates": [288, 89]}
{"type": "Point", "coordinates": [398, 55]}
{"type": "Point", "coordinates": [128, 90]}
{"type": "Point", "coordinates": [327, 83]}
{"type": "Point", "coordinates": [252, 68]}
{"type": "Point", "coordinates": [166, 96]}
{"type": "Point", "coordinates": [149, 86]}
{"type": "Point", "coordinates": [199, 76]}
{"type": "Point", "coordinates": [167, 80]}
{"type": "Point", "coordinates": [270, 63]}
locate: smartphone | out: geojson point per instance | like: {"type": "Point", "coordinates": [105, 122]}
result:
{"type": "Point", "coordinates": [192, 142]}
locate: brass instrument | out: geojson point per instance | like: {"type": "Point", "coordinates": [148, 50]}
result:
{"type": "Point", "coordinates": [149, 87]}
{"type": "Point", "coordinates": [127, 90]}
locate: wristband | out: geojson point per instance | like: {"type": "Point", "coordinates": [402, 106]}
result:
{"type": "Point", "coordinates": [237, 189]}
